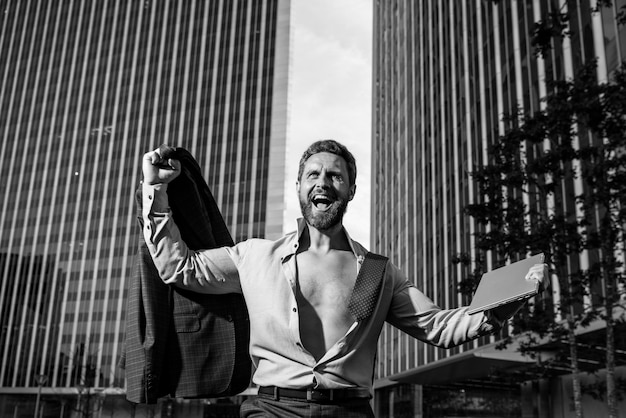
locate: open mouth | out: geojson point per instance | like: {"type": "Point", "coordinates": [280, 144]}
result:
{"type": "Point", "coordinates": [321, 202]}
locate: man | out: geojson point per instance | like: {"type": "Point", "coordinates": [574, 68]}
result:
{"type": "Point", "coordinates": [312, 356]}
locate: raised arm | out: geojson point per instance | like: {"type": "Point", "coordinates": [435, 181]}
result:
{"type": "Point", "coordinates": [205, 271]}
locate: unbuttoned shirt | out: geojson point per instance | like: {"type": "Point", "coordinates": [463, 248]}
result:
{"type": "Point", "coordinates": [264, 271]}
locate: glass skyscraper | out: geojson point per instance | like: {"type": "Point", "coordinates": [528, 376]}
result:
{"type": "Point", "coordinates": [445, 73]}
{"type": "Point", "coordinates": [85, 89]}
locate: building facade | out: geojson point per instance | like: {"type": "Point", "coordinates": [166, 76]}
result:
{"type": "Point", "coordinates": [85, 89]}
{"type": "Point", "coordinates": [445, 74]}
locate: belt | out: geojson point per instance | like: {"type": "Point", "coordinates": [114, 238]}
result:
{"type": "Point", "coordinates": [316, 395]}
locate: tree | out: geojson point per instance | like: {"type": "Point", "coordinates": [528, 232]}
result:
{"type": "Point", "coordinates": [84, 371]}
{"type": "Point", "coordinates": [555, 183]}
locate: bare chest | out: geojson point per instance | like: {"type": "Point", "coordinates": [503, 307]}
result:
{"type": "Point", "coordinates": [328, 281]}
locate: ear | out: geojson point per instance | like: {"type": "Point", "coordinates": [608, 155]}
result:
{"type": "Point", "coordinates": [352, 192]}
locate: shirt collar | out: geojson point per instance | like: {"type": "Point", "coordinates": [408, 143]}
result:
{"type": "Point", "coordinates": [293, 243]}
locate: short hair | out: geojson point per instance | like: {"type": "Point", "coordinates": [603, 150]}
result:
{"type": "Point", "coordinates": [333, 147]}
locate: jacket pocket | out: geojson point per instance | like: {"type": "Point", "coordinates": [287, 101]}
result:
{"type": "Point", "coordinates": [186, 322]}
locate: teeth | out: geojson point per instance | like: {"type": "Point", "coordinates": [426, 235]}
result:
{"type": "Point", "coordinates": [321, 199]}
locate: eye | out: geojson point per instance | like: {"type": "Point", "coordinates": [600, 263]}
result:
{"type": "Point", "coordinates": [338, 178]}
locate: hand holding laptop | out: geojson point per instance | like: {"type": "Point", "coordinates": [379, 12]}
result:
{"type": "Point", "coordinates": [539, 272]}
{"type": "Point", "coordinates": [504, 290]}
{"type": "Point", "coordinates": [538, 278]}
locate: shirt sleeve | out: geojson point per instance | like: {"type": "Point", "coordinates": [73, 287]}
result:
{"type": "Point", "coordinates": [206, 271]}
{"type": "Point", "coordinates": [416, 314]}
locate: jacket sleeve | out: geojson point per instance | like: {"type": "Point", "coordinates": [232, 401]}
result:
{"type": "Point", "coordinates": [205, 271]}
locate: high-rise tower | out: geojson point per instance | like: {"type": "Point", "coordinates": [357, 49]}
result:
{"type": "Point", "coordinates": [85, 89]}
{"type": "Point", "coordinates": [445, 73]}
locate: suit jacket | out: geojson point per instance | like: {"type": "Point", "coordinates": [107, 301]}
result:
{"type": "Point", "coordinates": [178, 342]}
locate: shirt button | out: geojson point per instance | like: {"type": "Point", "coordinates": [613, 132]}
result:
{"type": "Point", "coordinates": [295, 310]}
{"type": "Point", "coordinates": [149, 197]}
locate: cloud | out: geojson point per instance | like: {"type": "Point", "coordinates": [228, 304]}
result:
{"type": "Point", "coordinates": [331, 95]}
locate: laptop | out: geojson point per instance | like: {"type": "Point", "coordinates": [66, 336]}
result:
{"type": "Point", "coordinates": [505, 285]}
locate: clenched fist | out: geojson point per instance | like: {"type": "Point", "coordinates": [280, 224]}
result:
{"type": "Point", "coordinates": [157, 170]}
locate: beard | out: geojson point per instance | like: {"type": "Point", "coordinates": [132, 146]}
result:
{"type": "Point", "coordinates": [327, 219]}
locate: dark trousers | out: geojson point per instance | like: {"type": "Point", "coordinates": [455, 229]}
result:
{"type": "Point", "coordinates": [265, 406]}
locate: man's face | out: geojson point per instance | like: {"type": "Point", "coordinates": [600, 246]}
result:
{"type": "Point", "coordinates": [324, 190]}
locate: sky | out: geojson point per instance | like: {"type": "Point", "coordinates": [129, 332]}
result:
{"type": "Point", "coordinates": [330, 96]}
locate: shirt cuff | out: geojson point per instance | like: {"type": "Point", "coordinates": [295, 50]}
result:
{"type": "Point", "coordinates": [154, 198]}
